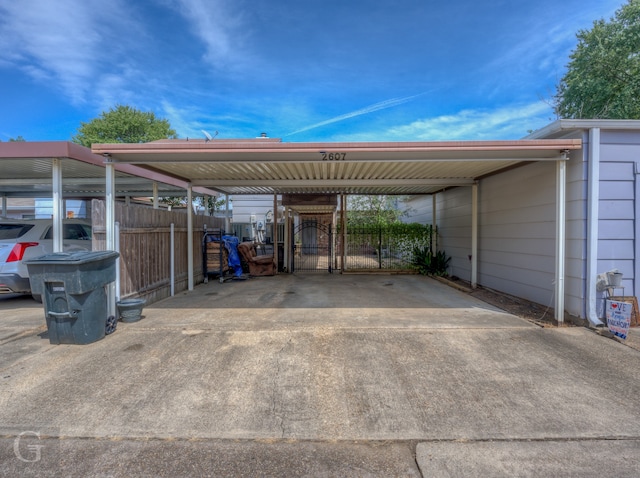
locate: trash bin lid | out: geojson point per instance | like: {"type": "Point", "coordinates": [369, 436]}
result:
{"type": "Point", "coordinates": [76, 258]}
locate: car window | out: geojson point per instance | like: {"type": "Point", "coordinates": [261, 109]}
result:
{"type": "Point", "coordinates": [13, 231]}
{"type": "Point", "coordinates": [87, 231]}
{"type": "Point", "coordinates": [76, 232]}
{"type": "Point", "coordinates": [72, 232]}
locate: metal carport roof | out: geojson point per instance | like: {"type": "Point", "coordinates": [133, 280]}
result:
{"type": "Point", "coordinates": [26, 170]}
{"type": "Point", "coordinates": [269, 166]}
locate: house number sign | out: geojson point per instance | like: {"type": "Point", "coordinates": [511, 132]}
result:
{"type": "Point", "coordinates": [334, 156]}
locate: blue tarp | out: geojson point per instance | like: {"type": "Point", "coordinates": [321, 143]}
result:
{"type": "Point", "coordinates": [231, 243]}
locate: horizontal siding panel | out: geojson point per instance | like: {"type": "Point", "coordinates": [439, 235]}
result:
{"type": "Point", "coordinates": [456, 197]}
{"type": "Point", "coordinates": [508, 282]}
{"type": "Point", "coordinates": [609, 137]}
{"type": "Point", "coordinates": [520, 275]}
{"type": "Point", "coordinates": [529, 196]}
{"type": "Point", "coordinates": [576, 191]}
{"type": "Point", "coordinates": [615, 190]}
{"type": "Point", "coordinates": [618, 153]}
{"type": "Point", "coordinates": [616, 229]}
{"type": "Point", "coordinates": [521, 261]}
{"type": "Point", "coordinates": [620, 209]}
{"type": "Point", "coordinates": [576, 171]}
{"type": "Point", "coordinates": [519, 215]}
{"type": "Point", "coordinates": [457, 246]}
{"type": "Point", "coordinates": [573, 210]}
{"type": "Point", "coordinates": [517, 231]}
{"type": "Point", "coordinates": [615, 249]}
{"type": "Point", "coordinates": [531, 230]}
{"type": "Point", "coordinates": [528, 182]}
{"type": "Point", "coordinates": [516, 246]}
{"type": "Point", "coordinates": [576, 229]}
{"type": "Point", "coordinates": [459, 269]}
{"type": "Point", "coordinates": [624, 266]}
{"type": "Point", "coordinates": [615, 171]}
{"type": "Point", "coordinates": [575, 249]}
{"type": "Point", "coordinates": [419, 209]}
{"type": "Point", "coordinates": [575, 268]}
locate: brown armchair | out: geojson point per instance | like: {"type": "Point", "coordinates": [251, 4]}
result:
{"type": "Point", "coordinates": [262, 265]}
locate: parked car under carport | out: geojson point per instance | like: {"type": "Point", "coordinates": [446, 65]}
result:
{"type": "Point", "coordinates": [24, 239]}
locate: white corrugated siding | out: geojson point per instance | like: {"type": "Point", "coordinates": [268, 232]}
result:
{"type": "Point", "coordinates": [617, 226]}
{"type": "Point", "coordinates": [516, 241]}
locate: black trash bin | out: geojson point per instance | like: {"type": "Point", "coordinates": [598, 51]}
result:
{"type": "Point", "coordinates": [72, 286]}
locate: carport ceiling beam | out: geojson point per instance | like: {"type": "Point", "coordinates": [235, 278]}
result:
{"type": "Point", "coordinates": [288, 158]}
{"type": "Point", "coordinates": [256, 152]}
{"type": "Point", "coordinates": [71, 181]}
{"type": "Point", "coordinates": [340, 183]}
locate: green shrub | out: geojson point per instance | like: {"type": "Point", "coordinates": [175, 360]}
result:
{"type": "Point", "coordinates": [428, 263]}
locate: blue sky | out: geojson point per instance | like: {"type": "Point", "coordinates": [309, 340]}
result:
{"type": "Point", "coordinates": [300, 70]}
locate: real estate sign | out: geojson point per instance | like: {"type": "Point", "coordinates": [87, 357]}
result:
{"type": "Point", "coordinates": [619, 317]}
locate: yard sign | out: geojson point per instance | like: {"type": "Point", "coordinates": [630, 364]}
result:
{"type": "Point", "coordinates": [619, 317]}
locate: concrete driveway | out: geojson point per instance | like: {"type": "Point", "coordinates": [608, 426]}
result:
{"type": "Point", "coordinates": [318, 375]}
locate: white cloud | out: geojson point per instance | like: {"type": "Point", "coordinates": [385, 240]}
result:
{"type": "Point", "coordinates": [215, 26]}
{"type": "Point", "coordinates": [65, 43]}
{"type": "Point", "coordinates": [182, 120]}
{"type": "Point", "coordinates": [510, 122]}
{"type": "Point", "coordinates": [541, 49]}
{"type": "Point", "coordinates": [363, 111]}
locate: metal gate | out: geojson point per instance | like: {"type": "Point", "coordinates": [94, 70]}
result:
{"type": "Point", "coordinates": [312, 246]}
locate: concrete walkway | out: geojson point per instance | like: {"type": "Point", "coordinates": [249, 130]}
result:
{"type": "Point", "coordinates": [318, 375]}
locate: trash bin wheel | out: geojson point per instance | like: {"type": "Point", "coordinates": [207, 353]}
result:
{"type": "Point", "coordinates": [112, 323]}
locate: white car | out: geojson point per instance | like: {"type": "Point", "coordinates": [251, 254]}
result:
{"type": "Point", "coordinates": [24, 239]}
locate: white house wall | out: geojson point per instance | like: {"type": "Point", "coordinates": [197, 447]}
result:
{"type": "Point", "coordinates": [418, 209]}
{"type": "Point", "coordinates": [453, 214]}
{"type": "Point", "coordinates": [244, 206]}
{"type": "Point", "coordinates": [617, 224]}
{"type": "Point", "coordinates": [516, 232]}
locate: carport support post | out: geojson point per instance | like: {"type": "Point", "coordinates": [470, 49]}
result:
{"type": "Point", "coordinates": [56, 171]}
{"type": "Point", "coordinates": [156, 199]}
{"type": "Point", "coordinates": [434, 224]}
{"type": "Point", "coordinates": [110, 223]}
{"type": "Point", "coordinates": [190, 235]}
{"type": "Point", "coordinates": [226, 213]}
{"type": "Point", "coordinates": [343, 224]}
{"type": "Point", "coordinates": [275, 230]}
{"type": "Point", "coordinates": [474, 235]}
{"type": "Point", "coordinates": [286, 240]}
{"type": "Point", "coordinates": [561, 198]}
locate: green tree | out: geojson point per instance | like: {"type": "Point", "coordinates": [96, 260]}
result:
{"type": "Point", "coordinates": [123, 124]}
{"type": "Point", "coordinates": [379, 210]}
{"type": "Point", "coordinates": [18, 139]}
{"type": "Point", "coordinates": [376, 214]}
{"type": "Point", "coordinates": [211, 204]}
{"type": "Point", "coordinates": [603, 75]}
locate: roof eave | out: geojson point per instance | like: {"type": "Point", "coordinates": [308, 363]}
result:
{"type": "Point", "coordinates": [566, 125]}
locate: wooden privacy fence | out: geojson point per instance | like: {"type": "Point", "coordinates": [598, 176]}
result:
{"type": "Point", "coordinates": [145, 248]}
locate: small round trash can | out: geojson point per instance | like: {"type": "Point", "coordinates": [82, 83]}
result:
{"type": "Point", "coordinates": [130, 310]}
